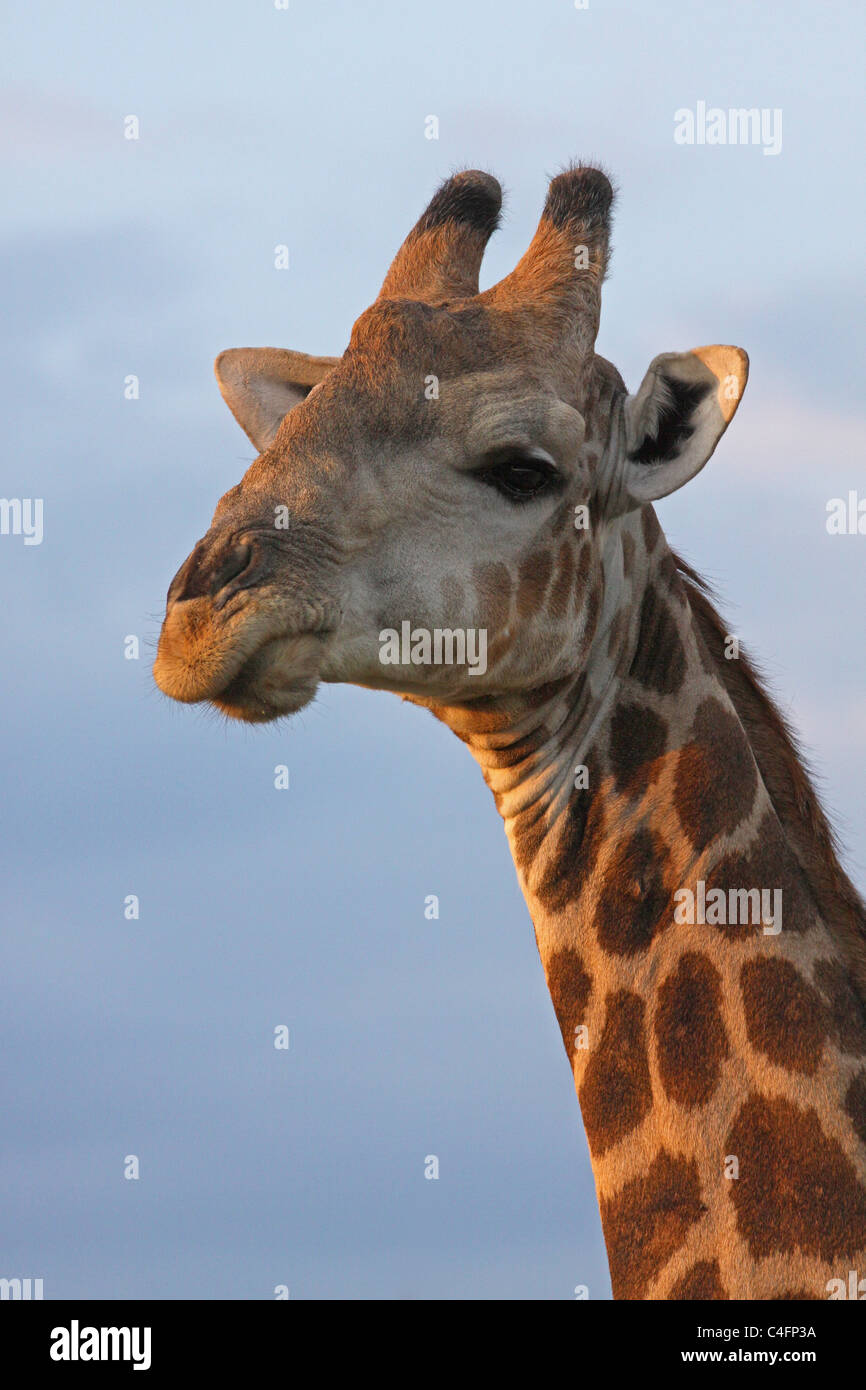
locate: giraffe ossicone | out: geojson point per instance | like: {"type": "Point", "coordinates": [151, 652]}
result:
{"type": "Point", "coordinates": [720, 1067]}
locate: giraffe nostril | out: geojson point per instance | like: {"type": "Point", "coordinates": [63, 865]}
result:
{"type": "Point", "coordinates": [233, 564]}
{"type": "Point", "coordinates": [208, 570]}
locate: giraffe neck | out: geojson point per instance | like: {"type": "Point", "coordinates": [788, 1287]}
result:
{"type": "Point", "coordinates": [706, 1008]}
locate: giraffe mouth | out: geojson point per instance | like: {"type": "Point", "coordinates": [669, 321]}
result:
{"type": "Point", "coordinates": [279, 679]}
{"type": "Point", "coordinates": [253, 664]}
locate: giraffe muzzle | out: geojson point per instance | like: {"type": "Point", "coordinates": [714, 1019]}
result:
{"type": "Point", "coordinates": [236, 637]}
{"type": "Point", "coordinates": [249, 664]}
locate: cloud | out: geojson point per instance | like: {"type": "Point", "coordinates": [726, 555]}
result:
{"type": "Point", "coordinates": [782, 437]}
{"type": "Point", "coordinates": [51, 125]}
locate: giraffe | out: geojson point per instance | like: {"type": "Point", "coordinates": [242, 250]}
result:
{"type": "Point", "coordinates": [471, 463]}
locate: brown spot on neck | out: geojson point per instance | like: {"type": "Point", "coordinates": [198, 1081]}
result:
{"type": "Point", "coordinates": [635, 904]}
{"type": "Point", "coordinates": [659, 661]}
{"type": "Point", "coordinates": [691, 1040]}
{"type": "Point", "coordinates": [651, 529]}
{"type": "Point", "coordinates": [716, 779]}
{"type": "Point", "coordinates": [616, 1092]}
{"type": "Point", "coordinates": [570, 987]}
{"type": "Point", "coordinates": [855, 1105]}
{"type": "Point", "coordinates": [769, 864]}
{"type": "Point", "coordinates": [796, 1191]}
{"type": "Point", "coordinates": [703, 1281]}
{"type": "Point", "coordinates": [846, 1013]}
{"type": "Point", "coordinates": [638, 737]}
{"type": "Point", "coordinates": [785, 1018]}
{"type": "Point", "coordinates": [648, 1220]}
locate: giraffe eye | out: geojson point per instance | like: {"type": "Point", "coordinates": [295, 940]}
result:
{"type": "Point", "coordinates": [520, 477]}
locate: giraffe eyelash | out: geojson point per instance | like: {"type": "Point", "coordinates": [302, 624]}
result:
{"type": "Point", "coordinates": [520, 477]}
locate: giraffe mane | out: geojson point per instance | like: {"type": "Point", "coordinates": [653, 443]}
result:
{"type": "Point", "coordinates": [788, 779]}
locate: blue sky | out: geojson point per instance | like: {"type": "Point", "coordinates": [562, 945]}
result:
{"type": "Point", "coordinates": [154, 1037]}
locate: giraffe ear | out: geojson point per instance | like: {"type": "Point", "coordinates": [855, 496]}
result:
{"type": "Point", "coordinates": [678, 416]}
{"type": "Point", "coordinates": [260, 386]}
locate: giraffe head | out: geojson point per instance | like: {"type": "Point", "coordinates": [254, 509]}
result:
{"type": "Point", "coordinates": [466, 468]}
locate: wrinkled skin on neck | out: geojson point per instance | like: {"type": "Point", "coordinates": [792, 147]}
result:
{"type": "Point", "coordinates": [692, 1045]}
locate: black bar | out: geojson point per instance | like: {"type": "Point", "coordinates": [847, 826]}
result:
{"type": "Point", "coordinates": [213, 1337]}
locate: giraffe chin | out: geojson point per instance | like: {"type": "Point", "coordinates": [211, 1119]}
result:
{"type": "Point", "coordinates": [278, 680]}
